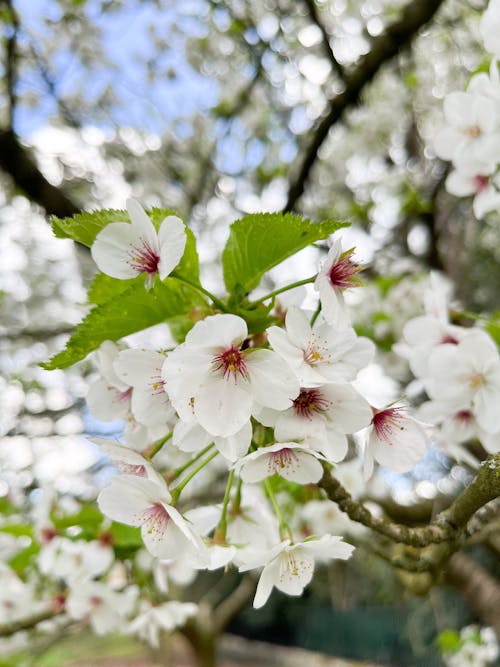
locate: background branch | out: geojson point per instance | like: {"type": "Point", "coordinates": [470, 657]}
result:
{"type": "Point", "coordinates": [397, 35]}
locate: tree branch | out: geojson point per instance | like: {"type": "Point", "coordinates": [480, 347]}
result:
{"type": "Point", "coordinates": [314, 14]}
{"type": "Point", "coordinates": [233, 603]}
{"type": "Point", "coordinates": [397, 35]}
{"type": "Point", "coordinates": [27, 623]}
{"type": "Point", "coordinates": [478, 586]}
{"type": "Point", "coordinates": [11, 61]}
{"type": "Point", "coordinates": [447, 526]}
{"type": "Point", "coordinates": [16, 161]}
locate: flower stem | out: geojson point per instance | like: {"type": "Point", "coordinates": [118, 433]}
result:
{"type": "Point", "coordinates": [217, 302]}
{"type": "Point", "coordinates": [315, 315]}
{"type": "Point", "coordinates": [178, 471]}
{"type": "Point", "coordinates": [305, 281]}
{"type": "Point", "coordinates": [155, 447]}
{"type": "Point", "coordinates": [179, 488]}
{"type": "Point", "coordinates": [285, 531]}
{"type": "Point", "coordinates": [220, 531]}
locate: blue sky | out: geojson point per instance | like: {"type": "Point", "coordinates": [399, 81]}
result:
{"type": "Point", "coordinates": [127, 44]}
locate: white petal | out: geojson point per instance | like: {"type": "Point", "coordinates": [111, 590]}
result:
{"type": "Point", "coordinates": [190, 437]}
{"type": "Point", "coordinates": [222, 407]}
{"type": "Point", "coordinates": [112, 247]}
{"type": "Point", "coordinates": [141, 223]}
{"type": "Point", "coordinates": [328, 546]}
{"type": "Point", "coordinates": [172, 240]}
{"type": "Point", "coordinates": [266, 582]}
{"type": "Point", "coordinates": [139, 368]}
{"type": "Point", "coordinates": [273, 383]}
{"type": "Point", "coordinates": [126, 498]}
{"type": "Point", "coordinates": [218, 332]}
{"type": "Point", "coordinates": [107, 403]}
{"type": "Point", "coordinates": [235, 446]}
{"type": "Point", "coordinates": [296, 569]}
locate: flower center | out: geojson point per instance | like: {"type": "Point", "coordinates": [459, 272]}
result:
{"type": "Point", "coordinates": [476, 380]}
{"type": "Point", "coordinates": [144, 259]}
{"type": "Point", "coordinates": [481, 183]}
{"type": "Point", "coordinates": [310, 401]}
{"type": "Point", "coordinates": [342, 273]}
{"type": "Point", "coordinates": [284, 458]}
{"type": "Point", "coordinates": [316, 351]}
{"type": "Point", "coordinates": [449, 340]}
{"type": "Point", "coordinates": [386, 422]}
{"type": "Point", "coordinates": [473, 131]}
{"type": "Point", "coordinates": [231, 362]}
{"type": "Point", "coordinates": [463, 416]}
{"type": "Point", "coordinates": [155, 519]}
{"type": "Point", "coordinates": [157, 384]}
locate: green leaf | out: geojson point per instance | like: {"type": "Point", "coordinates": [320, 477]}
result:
{"type": "Point", "coordinates": [134, 309]}
{"type": "Point", "coordinates": [260, 241]}
{"type": "Point", "coordinates": [84, 227]}
{"type": "Point", "coordinates": [125, 536]}
{"type": "Point", "coordinates": [104, 288]}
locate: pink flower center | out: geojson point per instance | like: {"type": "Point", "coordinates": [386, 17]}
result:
{"type": "Point", "coordinates": [155, 519]}
{"type": "Point", "coordinates": [386, 422]}
{"type": "Point", "coordinates": [144, 259]}
{"type": "Point", "coordinates": [473, 131]}
{"type": "Point", "coordinates": [316, 351]}
{"type": "Point", "coordinates": [464, 417]}
{"type": "Point", "coordinates": [310, 401]}
{"type": "Point", "coordinates": [232, 363]}
{"type": "Point", "coordinates": [157, 384]}
{"type": "Point", "coordinates": [342, 273]}
{"type": "Point", "coordinates": [95, 601]}
{"type": "Point", "coordinates": [481, 183]}
{"type": "Point", "coordinates": [284, 458]}
{"type": "Point", "coordinates": [449, 340]}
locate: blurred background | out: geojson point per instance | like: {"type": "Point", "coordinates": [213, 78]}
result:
{"type": "Point", "coordinates": [214, 109]}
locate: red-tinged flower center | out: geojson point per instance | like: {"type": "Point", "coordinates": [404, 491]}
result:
{"type": "Point", "coordinates": [95, 601]}
{"type": "Point", "coordinates": [231, 363]}
{"type": "Point", "coordinates": [343, 271]}
{"type": "Point", "coordinates": [385, 422]}
{"type": "Point", "coordinates": [309, 402]}
{"type": "Point", "coordinates": [144, 259]}
{"type": "Point", "coordinates": [449, 340]}
{"type": "Point", "coordinates": [464, 417]}
{"type": "Point", "coordinates": [155, 519]}
{"type": "Point", "coordinates": [473, 131]}
{"type": "Point", "coordinates": [284, 458]}
{"type": "Point", "coordinates": [481, 183]}
{"type": "Point", "coordinates": [48, 534]}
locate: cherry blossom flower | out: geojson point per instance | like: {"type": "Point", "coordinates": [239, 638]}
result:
{"type": "Point", "coordinates": [167, 616]}
{"type": "Point", "coordinates": [337, 273]}
{"type": "Point", "coordinates": [212, 380]}
{"type": "Point", "coordinates": [319, 355]}
{"type": "Point", "coordinates": [70, 560]}
{"type": "Point", "coordinates": [481, 185]}
{"type": "Point", "coordinates": [105, 608]}
{"type": "Point", "coordinates": [287, 459]}
{"type": "Point", "coordinates": [471, 132]}
{"type": "Point", "coordinates": [141, 369]}
{"type": "Point", "coordinates": [124, 250]}
{"type": "Point", "coordinates": [290, 567]}
{"type": "Point", "coordinates": [126, 460]}
{"type": "Point", "coordinates": [137, 501]}
{"type": "Point", "coordinates": [109, 397]}
{"type": "Point", "coordinates": [468, 376]}
{"type": "Point", "coordinates": [321, 417]}
{"type": "Point", "coordinates": [395, 440]}
{"type": "Point", "coordinates": [489, 28]}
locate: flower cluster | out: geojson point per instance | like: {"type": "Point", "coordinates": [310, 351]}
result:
{"type": "Point", "coordinates": [256, 407]}
{"type": "Point", "coordinates": [470, 138]}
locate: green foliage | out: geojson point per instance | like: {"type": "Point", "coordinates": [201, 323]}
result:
{"type": "Point", "coordinates": [88, 519]}
{"type": "Point", "coordinates": [135, 309]}
{"type": "Point", "coordinates": [104, 288]}
{"type": "Point", "coordinates": [260, 241]}
{"type": "Point", "coordinates": [84, 227]}
{"type": "Point", "coordinates": [449, 641]}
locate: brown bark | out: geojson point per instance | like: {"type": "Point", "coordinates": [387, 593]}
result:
{"type": "Point", "coordinates": [397, 36]}
{"type": "Point", "coordinates": [16, 161]}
